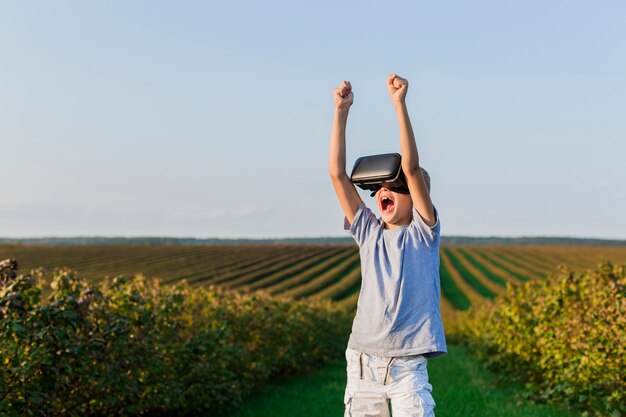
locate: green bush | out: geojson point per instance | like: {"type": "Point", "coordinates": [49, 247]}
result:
{"type": "Point", "coordinates": [130, 347]}
{"type": "Point", "coordinates": [566, 337]}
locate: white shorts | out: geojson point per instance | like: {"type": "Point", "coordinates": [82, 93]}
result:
{"type": "Point", "coordinates": [375, 382]}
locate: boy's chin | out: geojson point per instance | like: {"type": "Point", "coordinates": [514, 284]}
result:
{"type": "Point", "coordinates": [392, 218]}
{"type": "Point", "coordinates": [389, 217]}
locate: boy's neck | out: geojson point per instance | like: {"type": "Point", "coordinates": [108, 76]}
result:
{"type": "Point", "coordinates": [389, 226]}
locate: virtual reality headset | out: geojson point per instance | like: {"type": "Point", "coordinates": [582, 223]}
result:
{"type": "Point", "coordinates": [371, 172]}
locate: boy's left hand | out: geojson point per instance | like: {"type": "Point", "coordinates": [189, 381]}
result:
{"type": "Point", "coordinates": [397, 87]}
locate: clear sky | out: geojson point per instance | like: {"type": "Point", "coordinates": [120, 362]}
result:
{"type": "Point", "coordinates": [212, 119]}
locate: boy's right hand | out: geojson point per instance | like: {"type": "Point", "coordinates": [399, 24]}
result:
{"type": "Point", "coordinates": [343, 96]}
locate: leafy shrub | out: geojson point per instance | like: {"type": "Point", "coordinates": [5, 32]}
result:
{"type": "Point", "coordinates": [130, 347]}
{"type": "Point", "coordinates": [566, 337]}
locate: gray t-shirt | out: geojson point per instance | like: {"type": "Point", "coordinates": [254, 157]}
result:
{"type": "Point", "coordinates": [398, 310]}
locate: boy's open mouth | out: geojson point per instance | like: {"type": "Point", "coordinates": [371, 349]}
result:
{"type": "Point", "coordinates": [386, 204]}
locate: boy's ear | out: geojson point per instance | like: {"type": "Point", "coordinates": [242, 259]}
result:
{"type": "Point", "coordinates": [426, 176]}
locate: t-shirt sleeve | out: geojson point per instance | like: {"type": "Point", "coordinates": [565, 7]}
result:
{"type": "Point", "coordinates": [363, 225]}
{"type": "Point", "coordinates": [426, 234]}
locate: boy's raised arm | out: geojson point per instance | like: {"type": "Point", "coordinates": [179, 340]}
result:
{"type": "Point", "coordinates": [420, 196]}
{"type": "Point", "coordinates": [346, 191]}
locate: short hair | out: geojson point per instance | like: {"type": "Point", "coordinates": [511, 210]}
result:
{"type": "Point", "coordinates": [426, 178]}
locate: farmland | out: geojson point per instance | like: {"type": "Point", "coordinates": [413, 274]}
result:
{"type": "Point", "coordinates": [155, 323]}
{"type": "Point", "coordinates": [469, 274]}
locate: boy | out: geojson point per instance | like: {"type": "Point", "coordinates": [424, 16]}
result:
{"type": "Point", "coordinates": [398, 321]}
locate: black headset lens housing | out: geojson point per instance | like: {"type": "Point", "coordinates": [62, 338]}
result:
{"type": "Point", "coordinates": [377, 171]}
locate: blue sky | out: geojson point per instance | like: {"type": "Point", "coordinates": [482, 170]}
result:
{"type": "Point", "coordinates": [212, 119]}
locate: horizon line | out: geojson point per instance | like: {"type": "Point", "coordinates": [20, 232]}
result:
{"type": "Point", "coordinates": [56, 237]}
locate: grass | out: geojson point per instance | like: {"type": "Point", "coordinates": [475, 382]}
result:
{"type": "Point", "coordinates": [461, 388]}
{"type": "Point", "coordinates": [490, 259]}
{"type": "Point", "coordinates": [493, 277]}
{"type": "Point", "coordinates": [451, 291]}
{"type": "Point", "coordinates": [468, 276]}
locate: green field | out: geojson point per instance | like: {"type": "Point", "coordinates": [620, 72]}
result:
{"type": "Point", "coordinates": [470, 275]}
{"type": "Point", "coordinates": [461, 388]}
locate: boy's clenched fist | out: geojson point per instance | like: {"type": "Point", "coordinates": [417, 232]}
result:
{"type": "Point", "coordinates": [343, 95]}
{"type": "Point", "coordinates": [397, 87]}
